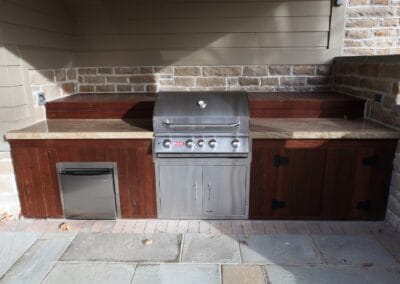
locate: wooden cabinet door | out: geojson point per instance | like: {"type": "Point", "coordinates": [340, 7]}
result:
{"type": "Point", "coordinates": [357, 179]}
{"type": "Point", "coordinates": [300, 180]}
{"type": "Point", "coordinates": [263, 177]}
{"type": "Point", "coordinates": [287, 179]}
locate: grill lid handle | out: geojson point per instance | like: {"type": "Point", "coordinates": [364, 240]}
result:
{"type": "Point", "coordinates": [169, 124]}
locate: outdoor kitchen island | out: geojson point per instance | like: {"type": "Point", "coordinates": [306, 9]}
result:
{"type": "Point", "coordinates": [316, 163]}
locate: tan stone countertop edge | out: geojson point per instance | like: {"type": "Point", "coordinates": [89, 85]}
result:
{"type": "Point", "coordinates": [253, 135]}
{"type": "Point", "coordinates": [286, 128]}
{"type": "Point", "coordinates": [325, 135]}
{"type": "Point", "coordinates": [79, 135]}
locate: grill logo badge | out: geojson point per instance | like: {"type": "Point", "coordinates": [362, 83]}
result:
{"type": "Point", "coordinates": [201, 104]}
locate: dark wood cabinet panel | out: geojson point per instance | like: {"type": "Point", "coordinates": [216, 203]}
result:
{"type": "Point", "coordinates": [35, 160]}
{"type": "Point", "coordinates": [320, 179]}
{"type": "Point", "coordinates": [287, 179]}
{"type": "Point", "coordinates": [300, 180]}
{"type": "Point", "coordinates": [137, 105]}
{"type": "Point", "coordinates": [263, 177]}
{"type": "Point", "coordinates": [290, 179]}
{"type": "Point", "coordinates": [35, 182]}
{"type": "Point", "coordinates": [357, 179]}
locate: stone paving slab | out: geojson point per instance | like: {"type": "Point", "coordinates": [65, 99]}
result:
{"type": "Point", "coordinates": [368, 247]}
{"type": "Point", "coordinates": [246, 227]}
{"type": "Point", "coordinates": [391, 241]}
{"type": "Point", "coordinates": [33, 266]}
{"type": "Point", "coordinates": [243, 274]}
{"type": "Point", "coordinates": [90, 273]}
{"type": "Point", "coordinates": [323, 274]}
{"type": "Point", "coordinates": [12, 246]}
{"type": "Point", "coordinates": [353, 250]}
{"type": "Point", "coordinates": [279, 249]}
{"type": "Point", "coordinates": [177, 274]}
{"type": "Point", "coordinates": [201, 248]}
{"type": "Point", "coordinates": [124, 247]}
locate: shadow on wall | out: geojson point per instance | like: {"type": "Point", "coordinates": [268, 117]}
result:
{"type": "Point", "coordinates": [161, 33]}
{"type": "Point", "coordinates": [375, 79]}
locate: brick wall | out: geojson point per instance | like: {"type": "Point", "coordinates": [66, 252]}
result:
{"type": "Point", "coordinates": [372, 27]}
{"type": "Point", "coordinates": [55, 83]}
{"type": "Point", "coordinates": [182, 78]}
{"type": "Point", "coordinates": [376, 79]}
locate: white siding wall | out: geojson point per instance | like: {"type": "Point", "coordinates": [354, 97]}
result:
{"type": "Point", "coordinates": [33, 34]}
{"type": "Point", "coordinates": [217, 32]}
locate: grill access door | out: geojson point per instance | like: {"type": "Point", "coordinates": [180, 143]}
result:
{"type": "Point", "coordinates": [224, 194]}
{"type": "Point", "coordinates": [181, 191]}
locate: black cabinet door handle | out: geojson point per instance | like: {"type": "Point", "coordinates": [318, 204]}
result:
{"type": "Point", "coordinates": [370, 161]}
{"type": "Point", "coordinates": [280, 161]}
{"type": "Point", "coordinates": [278, 204]}
{"type": "Point", "coordinates": [364, 205]}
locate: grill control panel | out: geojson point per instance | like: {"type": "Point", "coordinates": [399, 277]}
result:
{"type": "Point", "coordinates": [201, 144]}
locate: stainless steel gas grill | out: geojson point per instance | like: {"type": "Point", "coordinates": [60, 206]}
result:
{"type": "Point", "coordinates": [202, 154]}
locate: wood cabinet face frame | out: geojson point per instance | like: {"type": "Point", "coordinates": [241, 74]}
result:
{"type": "Point", "coordinates": [36, 175]}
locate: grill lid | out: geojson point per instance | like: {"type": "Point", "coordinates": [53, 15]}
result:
{"type": "Point", "coordinates": [201, 112]}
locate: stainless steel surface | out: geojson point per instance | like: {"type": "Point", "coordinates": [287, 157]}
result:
{"type": "Point", "coordinates": [179, 195]}
{"type": "Point", "coordinates": [200, 125]}
{"type": "Point", "coordinates": [202, 188]}
{"type": "Point", "coordinates": [223, 113]}
{"type": "Point", "coordinates": [202, 155]}
{"type": "Point", "coordinates": [226, 191]}
{"type": "Point", "coordinates": [190, 144]}
{"type": "Point", "coordinates": [89, 190]}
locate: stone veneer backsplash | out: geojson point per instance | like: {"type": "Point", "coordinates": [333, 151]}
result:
{"type": "Point", "coordinates": [150, 79]}
{"type": "Point", "coordinates": [376, 79]}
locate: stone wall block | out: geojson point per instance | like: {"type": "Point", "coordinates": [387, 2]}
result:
{"type": "Point", "coordinates": [105, 70]}
{"type": "Point", "coordinates": [185, 81]}
{"type": "Point", "coordinates": [280, 70]}
{"type": "Point", "coordinates": [292, 81]}
{"type": "Point", "coordinates": [369, 69]}
{"type": "Point", "coordinates": [87, 71]}
{"type": "Point", "coordinates": [104, 88]}
{"type": "Point", "coordinates": [272, 81]}
{"type": "Point", "coordinates": [249, 81]}
{"type": "Point", "coordinates": [226, 71]}
{"type": "Point", "coordinates": [255, 70]}
{"type": "Point", "coordinates": [187, 71]}
{"type": "Point", "coordinates": [376, 84]}
{"type": "Point", "coordinates": [210, 82]}
{"type": "Point", "coordinates": [390, 71]}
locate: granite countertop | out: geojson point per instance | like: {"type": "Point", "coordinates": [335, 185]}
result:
{"type": "Point", "coordinates": [260, 128]}
{"type": "Point", "coordinates": [319, 128]}
{"type": "Point", "coordinates": [86, 129]}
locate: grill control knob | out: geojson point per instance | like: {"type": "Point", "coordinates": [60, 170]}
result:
{"type": "Point", "coordinates": [200, 143]}
{"type": "Point", "coordinates": [189, 143]}
{"type": "Point", "coordinates": [167, 143]}
{"type": "Point", "coordinates": [212, 143]}
{"type": "Point", "coordinates": [235, 143]}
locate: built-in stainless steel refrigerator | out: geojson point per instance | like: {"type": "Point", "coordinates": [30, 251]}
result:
{"type": "Point", "coordinates": [89, 190]}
